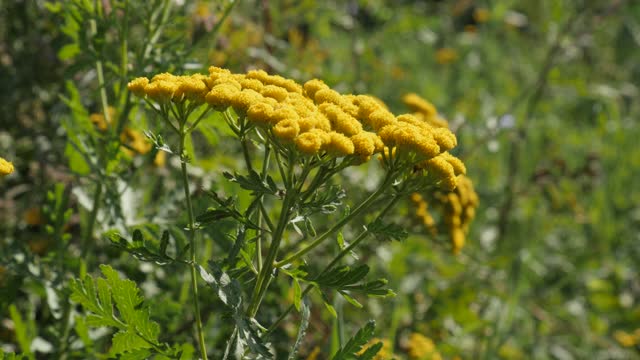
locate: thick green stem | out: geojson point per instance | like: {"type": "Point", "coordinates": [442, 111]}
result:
{"type": "Point", "coordinates": [192, 247]}
{"type": "Point", "coordinates": [262, 281]}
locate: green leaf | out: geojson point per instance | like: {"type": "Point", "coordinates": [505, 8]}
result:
{"type": "Point", "coordinates": [69, 51]}
{"type": "Point", "coordinates": [305, 313]}
{"type": "Point", "coordinates": [125, 294]}
{"type": "Point", "coordinates": [355, 344]}
{"type": "Point", "coordinates": [297, 294]}
{"type": "Point", "coordinates": [326, 201]}
{"type": "Point", "coordinates": [23, 335]}
{"type": "Point", "coordinates": [254, 183]}
{"type": "Point", "coordinates": [83, 332]}
{"type": "Point", "coordinates": [387, 232]}
{"type": "Point", "coordinates": [248, 337]}
{"type": "Point", "coordinates": [145, 248]}
{"type": "Point", "coordinates": [371, 351]}
{"type": "Point", "coordinates": [228, 289]}
{"type": "Point", "coordinates": [99, 296]}
{"type": "Point", "coordinates": [124, 341]}
{"type": "Point", "coordinates": [350, 299]}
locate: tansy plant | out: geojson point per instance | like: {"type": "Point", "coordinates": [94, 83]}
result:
{"type": "Point", "coordinates": [296, 141]}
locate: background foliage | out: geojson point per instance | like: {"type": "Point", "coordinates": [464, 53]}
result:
{"type": "Point", "coordinates": [541, 94]}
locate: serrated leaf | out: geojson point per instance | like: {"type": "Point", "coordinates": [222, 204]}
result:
{"type": "Point", "coordinates": [253, 182]}
{"type": "Point", "coordinates": [138, 354]}
{"type": "Point", "coordinates": [387, 231]}
{"type": "Point", "coordinates": [104, 295]}
{"type": "Point", "coordinates": [136, 329]}
{"type": "Point", "coordinates": [125, 341]}
{"type": "Point", "coordinates": [125, 294]}
{"type": "Point", "coordinates": [228, 289]}
{"type": "Point", "coordinates": [354, 345]}
{"type": "Point", "coordinates": [248, 337]}
{"type": "Point", "coordinates": [213, 215]}
{"type": "Point", "coordinates": [371, 351]}
{"type": "Point", "coordinates": [305, 313]}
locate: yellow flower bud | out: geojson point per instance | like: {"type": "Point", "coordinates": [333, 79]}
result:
{"type": "Point", "coordinates": [287, 129]}
{"type": "Point", "coordinates": [274, 92]}
{"type": "Point", "coordinates": [137, 85]}
{"type": "Point", "coordinates": [309, 143]}
{"type": "Point", "coordinates": [6, 167]}
{"type": "Point", "coordinates": [339, 144]}
{"type": "Point", "coordinates": [311, 87]}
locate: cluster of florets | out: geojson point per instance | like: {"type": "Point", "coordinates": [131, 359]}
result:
{"type": "Point", "coordinates": [312, 117]}
{"type": "Point", "coordinates": [424, 110]}
{"type": "Point", "coordinates": [457, 208]}
{"type": "Point", "coordinates": [421, 347]}
{"type": "Point", "coordinates": [422, 213]}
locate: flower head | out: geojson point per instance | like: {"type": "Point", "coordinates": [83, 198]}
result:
{"type": "Point", "coordinates": [6, 167]}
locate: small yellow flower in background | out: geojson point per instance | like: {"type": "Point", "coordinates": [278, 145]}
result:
{"type": "Point", "coordinates": [160, 159]}
{"type": "Point", "coordinates": [135, 142]}
{"type": "Point", "coordinates": [457, 208]}
{"type": "Point", "coordinates": [421, 347]}
{"type": "Point", "coordinates": [100, 122]}
{"type": "Point", "coordinates": [627, 339]}
{"type": "Point", "coordinates": [510, 352]}
{"type": "Point", "coordinates": [422, 213]}
{"type": "Point", "coordinates": [385, 353]}
{"type": "Point", "coordinates": [6, 167]}
{"type": "Point", "coordinates": [33, 216]}
{"type": "Point", "coordinates": [446, 56]}
{"type": "Point", "coordinates": [314, 353]}
{"type": "Point", "coordinates": [481, 15]}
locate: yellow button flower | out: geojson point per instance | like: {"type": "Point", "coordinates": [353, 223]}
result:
{"type": "Point", "coordinates": [6, 167]}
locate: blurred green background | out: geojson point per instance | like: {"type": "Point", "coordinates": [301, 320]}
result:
{"type": "Point", "coordinates": [543, 96]}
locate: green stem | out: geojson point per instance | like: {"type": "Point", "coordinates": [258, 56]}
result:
{"type": "Point", "coordinates": [364, 205]}
{"type": "Point", "coordinates": [262, 215]}
{"type": "Point", "coordinates": [166, 7]}
{"type": "Point", "coordinates": [87, 243]}
{"type": "Point", "coordinates": [340, 255]}
{"type": "Point", "coordinates": [192, 248]}
{"type": "Point", "coordinates": [262, 281]}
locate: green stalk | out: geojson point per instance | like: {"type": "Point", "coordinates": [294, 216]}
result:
{"type": "Point", "coordinates": [192, 248]}
{"type": "Point", "coordinates": [340, 255]}
{"type": "Point", "coordinates": [364, 205]}
{"type": "Point", "coordinates": [263, 278]}
{"type": "Point", "coordinates": [87, 244]}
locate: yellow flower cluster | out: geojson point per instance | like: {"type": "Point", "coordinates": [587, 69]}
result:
{"type": "Point", "coordinates": [420, 347]}
{"type": "Point", "coordinates": [424, 110]}
{"type": "Point", "coordinates": [446, 56]}
{"type": "Point", "coordinates": [422, 212]}
{"type": "Point", "coordinates": [458, 208]}
{"type": "Point", "coordinates": [627, 339]}
{"type": "Point", "coordinates": [6, 167]}
{"type": "Point", "coordinates": [313, 117]}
